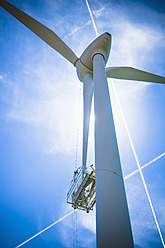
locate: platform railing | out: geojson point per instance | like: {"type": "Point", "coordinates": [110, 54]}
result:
{"type": "Point", "coordinates": [82, 191]}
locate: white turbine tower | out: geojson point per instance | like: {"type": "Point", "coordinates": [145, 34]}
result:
{"type": "Point", "coordinates": [113, 227]}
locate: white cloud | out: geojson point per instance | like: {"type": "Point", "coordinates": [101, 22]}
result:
{"type": "Point", "coordinates": [135, 44]}
{"type": "Point", "coordinates": [99, 12]}
{"type": "Point", "coordinates": [59, 126]}
{"type": "Point", "coordinates": [76, 29]}
{"type": "Point", "coordinates": [88, 220]}
{"type": "Point", "coordinates": [75, 223]}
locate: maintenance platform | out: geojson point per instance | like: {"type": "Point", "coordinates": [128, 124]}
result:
{"type": "Point", "coordinates": [82, 191]}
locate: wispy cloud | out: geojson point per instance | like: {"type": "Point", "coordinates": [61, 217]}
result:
{"type": "Point", "coordinates": [79, 221]}
{"type": "Point", "coordinates": [76, 29]}
{"type": "Point", "coordinates": [99, 12]}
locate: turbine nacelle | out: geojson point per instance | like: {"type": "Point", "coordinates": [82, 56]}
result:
{"type": "Point", "coordinates": [100, 45]}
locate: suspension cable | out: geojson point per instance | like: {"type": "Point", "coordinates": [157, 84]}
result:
{"type": "Point", "coordinates": [76, 231]}
{"type": "Point", "coordinates": [74, 216]}
{"type": "Point", "coordinates": [78, 130]}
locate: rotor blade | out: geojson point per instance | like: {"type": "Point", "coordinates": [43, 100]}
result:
{"type": "Point", "coordinates": [130, 73]}
{"type": "Point", "coordinates": [41, 31]}
{"type": "Point", "coordinates": [87, 101]}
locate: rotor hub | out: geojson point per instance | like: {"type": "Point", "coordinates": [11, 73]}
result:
{"type": "Point", "coordinates": [100, 45]}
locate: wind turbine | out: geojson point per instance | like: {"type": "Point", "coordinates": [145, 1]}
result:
{"type": "Point", "coordinates": [113, 227]}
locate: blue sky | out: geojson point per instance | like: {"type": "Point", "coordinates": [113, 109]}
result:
{"type": "Point", "coordinates": [41, 110]}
